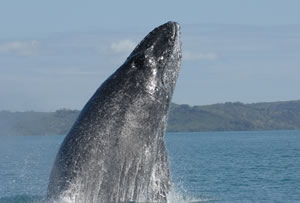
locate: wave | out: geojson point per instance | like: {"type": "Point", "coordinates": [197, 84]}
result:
{"type": "Point", "coordinates": [173, 198]}
{"type": "Point", "coordinates": [24, 198]}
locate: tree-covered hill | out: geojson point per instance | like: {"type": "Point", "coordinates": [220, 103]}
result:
{"type": "Point", "coordinates": [235, 117]}
{"type": "Point", "coordinates": [184, 118]}
{"type": "Point", "coordinates": [37, 123]}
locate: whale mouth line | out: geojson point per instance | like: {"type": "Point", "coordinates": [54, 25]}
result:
{"type": "Point", "coordinates": [168, 59]}
{"type": "Point", "coordinates": [176, 35]}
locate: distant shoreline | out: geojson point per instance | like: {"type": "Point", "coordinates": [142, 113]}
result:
{"type": "Point", "coordinates": [198, 132]}
{"type": "Point", "coordinates": [224, 117]}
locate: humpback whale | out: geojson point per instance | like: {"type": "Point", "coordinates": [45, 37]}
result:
{"type": "Point", "coordinates": [115, 151]}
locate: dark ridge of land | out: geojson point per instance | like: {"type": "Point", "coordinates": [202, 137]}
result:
{"type": "Point", "coordinates": [182, 118]}
{"type": "Point", "coordinates": [37, 123]}
{"type": "Point", "coordinates": [235, 117]}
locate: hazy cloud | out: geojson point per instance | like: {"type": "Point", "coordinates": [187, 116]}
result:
{"type": "Point", "coordinates": [196, 56]}
{"type": "Point", "coordinates": [20, 48]}
{"type": "Point", "coordinates": [123, 46]}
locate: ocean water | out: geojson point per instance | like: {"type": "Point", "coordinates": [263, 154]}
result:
{"type": "Point", "coordinates": [206, 167]}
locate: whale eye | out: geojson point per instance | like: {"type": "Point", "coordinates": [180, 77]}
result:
{"type": "Point", "coordinates": [139, 61]}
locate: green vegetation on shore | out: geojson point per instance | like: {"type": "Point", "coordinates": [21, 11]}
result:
{"type": "Point", "coordinates": [235, 117]}
{"type": "Point", "coordinates": [182, 118]}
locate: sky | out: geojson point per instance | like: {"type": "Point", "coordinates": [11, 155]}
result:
{"type": "Point", "coordinates": [55, 54]}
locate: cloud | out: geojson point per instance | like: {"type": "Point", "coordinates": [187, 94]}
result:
{"type": "Point", "coordinates": [189, 56]}
{"type": "Point", "coordinates": [20, 48]}
{"type": "Point", "coordinates": [123, 46]}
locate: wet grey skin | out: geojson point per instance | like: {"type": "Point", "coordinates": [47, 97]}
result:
{"type": "Point", "coordinates": [115, 151]}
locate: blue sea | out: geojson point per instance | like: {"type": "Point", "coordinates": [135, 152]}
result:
{"type": "Point", "coordinates": [217, 167]}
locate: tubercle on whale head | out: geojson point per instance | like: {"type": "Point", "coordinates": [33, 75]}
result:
{"type": "Point", "coordinates": [156, 59]}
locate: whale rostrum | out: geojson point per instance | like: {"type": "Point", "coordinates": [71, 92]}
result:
{"type": "Point", "coordinates": [115, 151]}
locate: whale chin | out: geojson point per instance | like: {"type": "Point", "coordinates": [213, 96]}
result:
{"type": "Point", "coordinates": [115, 151]}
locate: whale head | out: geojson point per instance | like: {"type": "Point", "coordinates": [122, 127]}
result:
{"type": "Point", "coordinates": [154, 64]}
